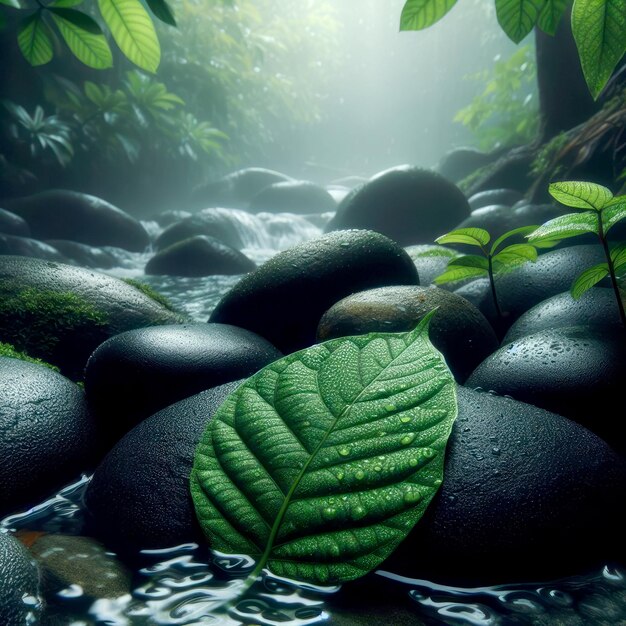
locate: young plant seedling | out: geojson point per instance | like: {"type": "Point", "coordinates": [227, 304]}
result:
{"type": "Point", "coordinates": [600, 211]}
{"type": "Point", "coordinates": [491, 262]}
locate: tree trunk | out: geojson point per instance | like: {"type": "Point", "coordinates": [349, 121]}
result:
{"type": "Point", "coordinates": [564, 97]}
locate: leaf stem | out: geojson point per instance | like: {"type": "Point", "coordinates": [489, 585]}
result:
{"type": "Point", "coordinates": [492, 282]}
{"type": "Point", "coordinates": [607, 253]}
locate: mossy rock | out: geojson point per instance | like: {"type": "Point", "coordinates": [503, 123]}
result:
{"type": "Point", "coordinates": [60, 313]}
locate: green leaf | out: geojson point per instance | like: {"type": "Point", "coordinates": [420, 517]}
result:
{"type": "Point", "coordinates": [523, 230]}
{"type": "Point", "coordinates": [517, 17]}
{"type": "Point", "coordinates": [133, 32]}
{"type": "Point", "coordinates": [470, 260]}
{"type": "Point", "coordinates": [566, 226]}
{"type": "Point", "coordinates": [599, 28]}
{"type": "Point", "coordinates": [319, 465]}
{"type": "Point", "coordinates": [33, 39]}
{"type": "Point", "coordinates": [588, 279]}
{"type": "Point", "coordinates": [83, 37]}
{"type": "Point", "coordinates": [420, 14]}
{"type": "Point", "coordinates": [516, 254]}
{"type": "Point", "coordinates": [14, 4]}
{"type": "Point", "coordinates": [580, 194]}
{"type": "Point", "coordinates": [470, 236]}
{"type": "Point", "coordinates": [162, 11]}
{"type": "Point", "coordinates": [64, 4]}
{"type": "Point", "coordinates": [551, 15]}
{"type": "Point", "coordinates": [618, 256]}
{"type": "Point", "coordinates": [453, 274]}
{"type": "Point", "coordinates": [613, 213]}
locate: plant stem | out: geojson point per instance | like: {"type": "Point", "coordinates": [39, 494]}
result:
{"type": "Point", "coordinates": [492, 282]}
{"type": "Point", "coordinates": [607, 253]}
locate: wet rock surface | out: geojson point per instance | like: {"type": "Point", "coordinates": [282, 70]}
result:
{"type": "Point", "coordinates": [12, 224]}
{"type": "Point", "coordinates": [506, 197]}
{"type": "Point", "coordinates": [154, 367]}
{"type": "Point", "coordinates": [84, 255]}
{"type": "Point", "coordinates": [297, 196]}
{"type": "Point", "coordinates": [284, 299]}
{"type": "Point", "coordinates": [47, 436]}
{"type": "Point", "coordinates": [407, 204]}
{"type": "Point", "coordinates": [458, 329]}
{"type": "Point", "coordinates": [24, 246]}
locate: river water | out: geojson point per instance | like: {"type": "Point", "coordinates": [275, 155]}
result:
{"type": "Point", "coordinates": [186, 585]}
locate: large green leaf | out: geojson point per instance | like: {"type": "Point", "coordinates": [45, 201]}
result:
{"type": "Point", "coordinates": [599, 28]}
{"type": "Point", "coordinates": [551, 15]}
{"type": "Point", "coordinates": [320, 464]}
{"type": "Point", "coordinates": [618, 256]}
{"type": "Point", "coordinates": [471, 236]}
{"type": "Point", "coordinates": [613, 213]}
{"type": "Point", "coordinates": [454, 273]}
{"type": "Point", "coordinates": [420, 14]}
{"type": "Point", "coordinates": [517, 17]}
{"type": "Point", "coordinates": [133, 32]}
{"type": "Point", "coordinates": [522, 230]}
{"type": "Point", "coordinates": [588, 279]}
{"type": "Point", "coordinates": [83, 37]}
{"type": "Point", "coordinates": [469, 260]}
{"type": "Point", "coordinates": [566, 226]}
{"type": "Point", "coordinates": [581, 195]}
{"type": "Point", "coordinates": [516, 254]}
{"type": "Point", "coordinates": [33, 39]}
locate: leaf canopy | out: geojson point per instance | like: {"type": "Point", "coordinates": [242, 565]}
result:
{"type": "Point", "coordinates": [588, 279]}
{"type": "Point", "coordinates": [321, 463]}
{"type": "Point", "coordinates": [599, 28]}
{"type": "Point", "coordinates": [420, 14]}
{"type": "Point", "coordinates": [581, 195]}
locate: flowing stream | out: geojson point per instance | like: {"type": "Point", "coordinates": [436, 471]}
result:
{"type": "Point", "coordinates": [182, 585]}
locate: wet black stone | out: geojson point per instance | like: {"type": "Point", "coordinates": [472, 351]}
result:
{"type": "Point", "coordinates": [596, 307]}
{"type": "Point", "coordinates": [459, 330]}
{"type": "Point", "coordinates": [461, 162]}
{"type": "Point", "coordinates": [284, 299]}
{"type": "Point", "coordinates": [528, 285]}
{"type": "Point", "coordinates": [19, 584]}
{"type": "Point", "coordinates": [407, 204]}
{"type": "Point", "coordinates": [429, 266]}
{"type": "Point", "coordinates": [47, 436]}
{"type": "Point", "coordinates": [23, 246]}
{"type": "Point", "coordinates": [62, 214]}
{"type": "Point", "coordinates": [506, 197]}
{"type": "Point", "coordinates": [148, 471]}
{"type": "Point", "coordinates": [61, 313]}
{"type": "Point", "coordinates": [12, 224]}
{"type": "Point", "coordinates": [577, 371]}
{"type": "Point", "coordinates": [297, 196]}
{"type": "Point", "coordinates": [135, 374]}
{"type": "Point", "coordinates": [527, 495]}
{"type": "Point", "coordinates": [84, 255]}
{"type": "Point", "coordinates": [167, 218]}
{"type": "Point", "coordinates": [199, 256]}
{"type": "Point", "coordinates": [217, 223]}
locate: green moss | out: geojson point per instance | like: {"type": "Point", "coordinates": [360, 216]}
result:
{"type": "Point", "coordinates": [470, 180]}
{"type": "Point", "coordinates": [35, 321]}
{"type": "Point", "coordinates": [8, 351]}
{"type": "Point", "coordinates": [547, 154]}
{"type": "Point", "coordinates": [151, 293]}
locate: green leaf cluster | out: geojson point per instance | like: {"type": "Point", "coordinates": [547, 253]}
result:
{"type": "Point", "coordinates": [319, 465]}
{"type": "Point", "coordinates": [128, 22]}
{"type": "Point", "coordinates": [600, 211]}
{"type": "Point", "coordinates": [599, 28]}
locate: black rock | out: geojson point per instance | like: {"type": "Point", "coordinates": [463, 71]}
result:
{"type": "Point", "coordinates": [85, 256]}
{"type": "Point", "coordinates": [12, 224]}
{"type": "Point", "coordinates": [458, 330]}
{"type": "Point", "coordinates": [224, 225]}
{"type": "Point", "coordinates": [61, 313]}
{"type": "Point", "coordinates": [431, 261]}
{"type": "Point", "coordinates": [284, 299]}
{"type": "Point", "coordinates": [154, 367]}
{"type": "Point", "coordinates": [407, 204]}
{"type": "Point", "coordinates": [47, 436]}
{"type": "Point", "coordinates": [596, 307]}
{"type": "Point", "coordinates": [148, 470]}
{"type": "Point", "coordinates": [526, 495]}
{"type": "Point", "coordinates": [461, 162]}
{"type": "Point", "coordinates": [20, 602]}
{"type": "Point", "coordinates": [23, 246]}
{"type": "Point", "coordinates": [523, 288]}
{"type": "Point", "coordinates": [62, 214]}
{"type": "Point", "coordinates": [199, 256]}
{"type": "Point", "coordinates": [296, 196]}
{"type": "Point", "coordinates": [167, 218]}
{"type": "Point", "coordinates": [577, 371]}
{"type": "Point", "coordinates": [235, 190]}
{"type": "Point", "coordinates": [506, 197]}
